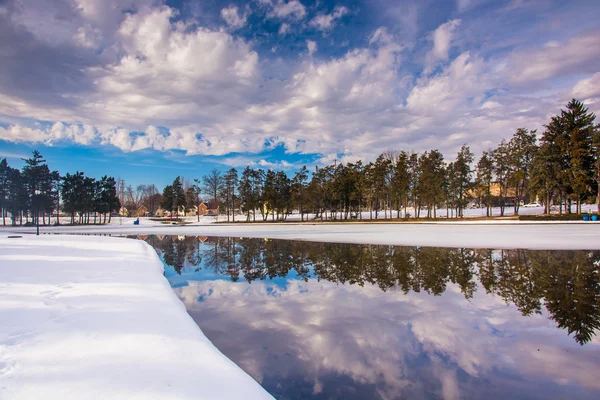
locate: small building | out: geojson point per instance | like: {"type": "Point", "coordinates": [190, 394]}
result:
{"type": "Point", "coordinates": [162, 213]}
{"type": "Point", "coordinates": [210, 208]}
{"type": "Point", "coordinates": [124, 212]}
{"type": "Point", "coordinates": [142, 211]}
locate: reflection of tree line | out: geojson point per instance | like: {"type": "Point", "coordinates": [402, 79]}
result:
{"type": "Point", "coordinates": [566, 282]}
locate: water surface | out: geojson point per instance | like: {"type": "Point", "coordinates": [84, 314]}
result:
{"type": "Point", "coordinates": [346, 321]}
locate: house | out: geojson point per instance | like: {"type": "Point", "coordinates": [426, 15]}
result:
{"type": "Point", "coordinates": [210, 208]}
{"type": "Point", "coordinates": [142, 211]}
{"type": "Point", "coordinates": [162, 213]}
{"type": "Point", "coordinates": [124, 212]}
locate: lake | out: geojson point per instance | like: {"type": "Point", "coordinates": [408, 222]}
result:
{"type": "Point", "coordinates": [346, 321]}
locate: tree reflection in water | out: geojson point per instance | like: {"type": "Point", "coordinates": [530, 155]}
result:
{"type": "Point", "coordinates": [566, 282]}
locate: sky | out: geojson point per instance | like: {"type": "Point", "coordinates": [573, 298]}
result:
{"type": "Point", "coordinates": [146, 90]}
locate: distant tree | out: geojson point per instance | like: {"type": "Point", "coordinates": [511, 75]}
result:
{"type": "Point", "coordinates": [38, 184]}
{"type": "Point", "coordinates": [463, 176]}
{"type": "Point", "coordinates": [400, 183]}
{"type": "Point", "coordinates": [228, 190]}
{"type": "Point", "coordinates": [258, 179]}
{"type": "Point", "coordinates": [432, 180]}
{"type": "Point", "coordinates": [168, 198]}
{"type": "Point", "coordinates": [213, 183]}
{"type": "Point", "coordinates": [269, 194]}
{"type": "Point", "coordinates": [71, 187]}
{"type": "Point", "coordinates": [414, 178]}
{"type": "Point", "coordinates": [485, 176]}
{"type": "Point", "coordinates": [178, 194]}
{"type": "Point", "coordinates": [246, 193]}
{"type": "Point", "coordinates": [379, 175]}
{"type": "Point", "coordinates": [17, 195]}
{"type": "Point", "coordinates": [522, 146]}
{"type": "Point", "coordinates": [299, 184]}
{"type": "Point", "coordinates": [282, 195]}
{"type": "Point", "coordinates": [502, 171]}
{"type": "Point", "coordinates": [108, 198]}
{"type": "Point", "coordinates": [546, 174]}
{"type": "Point", "coordinates": [151, 198]}
{"type": "Point", "coordinates": [193, 196]}
{"type": "Point", "coordinates": [578, 125]}
{"type": "Point", "coordinates": [596, 155]}
{"type": "Point", "coordinates": [4, 188]}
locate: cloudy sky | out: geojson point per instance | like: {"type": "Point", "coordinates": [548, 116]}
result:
{"type": "Point", "coordinates": [149, 89]}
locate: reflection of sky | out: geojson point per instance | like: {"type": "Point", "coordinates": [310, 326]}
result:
{"type": "Point", "coordinates": [326, 340]}
{"type": "Point", "coordinates": [189, 273]}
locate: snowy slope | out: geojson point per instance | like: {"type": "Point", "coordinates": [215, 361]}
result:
{"type": "Point", "coordinates": [94, 318]}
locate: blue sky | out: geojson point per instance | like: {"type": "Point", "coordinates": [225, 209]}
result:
{"type": "Point", "coordinates": [146, 90]}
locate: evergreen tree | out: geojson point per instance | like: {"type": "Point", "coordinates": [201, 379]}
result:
{"type": "Point", "coordinates": [178, 195]}
{"type": "Point", "coordinates": [400, 182]}
{"type": "Point", "coordinates": [229, 187]}
{"type": "Point", "coordinates": [108, 199]}
{"type": "Point", "coordinates": [502, 171]}
{"type": "Point", "coordinates": [4, 188]}
{"type": "Point", "coordinates": [432, 180]}
{"type": "Point", "coordinates": [522, 147]}
{"type": "Point", "coordinates": [463, 175]}
{"type": "Point", "coordinates": [246, 193]}
{"type": "Point", "coordinates": [38, 184]}
{"type": "Point", "coordinates": [168, 198]}
{"type": "Point", "coordinates": [485, 176]}
{"type": "Point", "coordinates": [193, 197]}
{"type": "Point", "coordinates": [299, 190]}
{"type": "Point", "coordinates": [17, 195]}
{"type": "Point", "coordinates": [578, 125]}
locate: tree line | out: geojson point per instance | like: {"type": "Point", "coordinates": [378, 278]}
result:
{"type": "Point", "coordinates": [566, 283]}
{"type": "Point", "coordinates": [36, 193]}
{"type": "Point", "coordinates": [561, 169]}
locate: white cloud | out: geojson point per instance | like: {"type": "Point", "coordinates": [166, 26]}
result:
{"type": "Point", "coordinates": [274, 165]}
{"type": "Point", "coordinates": [442, 41]}
{"type": "Point", "coordinates": [183, 86]}
{"type": "Point", "coordinates": [311, 45]}
{"type": "Point", "coordinates": [283, 9]}
{"type": "Point", "coordinates": [80, 134]}
{"type": "Point", "coordinates": [284, 29]}
{"type": "Point", "coordinates": [580, 54]}
{"type": "Point", "coordinates": [233, 18]}
{"type": "Point", "coordinates": [325, 22]}
{"type": "Point", "coordinates": [588, 87]}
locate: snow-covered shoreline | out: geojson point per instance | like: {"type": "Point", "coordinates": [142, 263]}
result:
{"type": "Point", "coordinates": [496, 234]}
{"type": "Point", "coordinates": [94, 318]}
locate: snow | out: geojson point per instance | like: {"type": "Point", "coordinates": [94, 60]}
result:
{"type": "Point", "coordinates": [365, 215]}
{"type": "Point", "coordinates": [472, 234]}
{"type": "Point", "coordinates": [94, 318]}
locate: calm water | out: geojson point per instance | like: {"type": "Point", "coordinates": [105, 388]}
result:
{"type": "Point", "coordinates": [345, 321]}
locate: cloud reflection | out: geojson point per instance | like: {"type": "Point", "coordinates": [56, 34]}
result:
{"type": "Point", "coordinates": [389, 345]}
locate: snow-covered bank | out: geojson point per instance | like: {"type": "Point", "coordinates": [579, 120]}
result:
{"type": "Point", "coordinates": [513, 235]}
{"type": "Point", "coordinates": [94, 318]}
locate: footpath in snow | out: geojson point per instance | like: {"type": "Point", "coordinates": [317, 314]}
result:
{"type": "Point", "coordinates": [94, 318]}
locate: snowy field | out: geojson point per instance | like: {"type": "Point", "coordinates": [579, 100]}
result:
{"type": "Point", "coordinates": [469, 213]}
{"type": "Point", "coordinates": [583, 236]}
{"type": "Point", "coordinates": [94, 318]}
{"type": "Point", "coordinates": [498, 234]}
